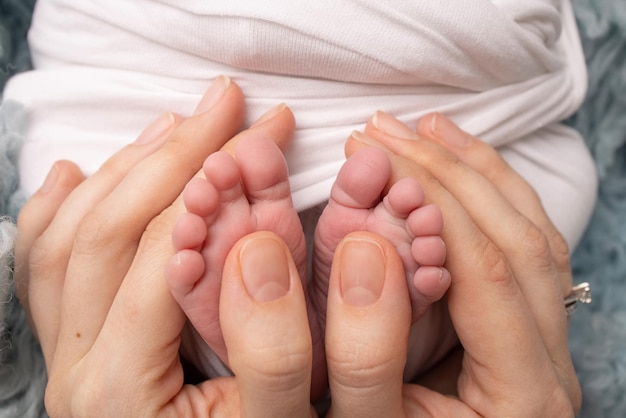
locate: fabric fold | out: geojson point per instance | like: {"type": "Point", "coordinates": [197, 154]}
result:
{"type": "Point", "coordinates": [503, 70]}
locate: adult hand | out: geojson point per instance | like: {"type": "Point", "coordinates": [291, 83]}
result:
{"type": "Point", "coordinates": [510, 271]}
{"type": "Point", "coordinates": [90, 262]}
{"type": "Point", "coordinates": [125, 301]}
{"type": "Point", "coordinates": [512, 326]}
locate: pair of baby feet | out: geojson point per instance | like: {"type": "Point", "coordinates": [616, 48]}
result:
{"type": "Point", "coordinates": [250, 192]}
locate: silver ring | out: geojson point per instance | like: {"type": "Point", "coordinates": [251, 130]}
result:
{"type": "Point", "coordinates": [580, 293]}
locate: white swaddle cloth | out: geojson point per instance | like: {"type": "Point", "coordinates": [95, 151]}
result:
{"type": "Point", "coordinates": [503, 70]}
{"type": "Point", "coordinates": [507, 71]}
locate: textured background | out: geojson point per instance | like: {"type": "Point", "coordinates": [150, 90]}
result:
{"type": "Point", "coordinates": [598, 331]}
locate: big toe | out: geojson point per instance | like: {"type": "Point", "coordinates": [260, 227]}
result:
{"type": "Point", "coordinates": [263, 169]}
{"type": "Point", "coordinates": [362, 179]}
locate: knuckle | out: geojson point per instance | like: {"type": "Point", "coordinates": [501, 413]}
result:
{"type": "Point", "coordinates": [450, 162]}
{"type": "Point", "coordinates": [548, 252]}
{"type": "Point", "coordinates": [533, 243]}
{"type": "Point", "coordinates": [283, 368]}
{"type": "Point", "coordinates": [95, 231]}
{"type": "Point", "coordinates": [41, 259]}
{"type": "Point", "coordinates": [118, 165]}
{"type": "Point", "coordinates": [53, 399]}
{"type": "Point", "coordinates": [161, 223]}
{"type": "Point", "coordinates": [495, 265]}
{"type": "Point", "coordinates": [493, 166]}
{"type": "Point", "coordinates": [160, 227]}
{"type": "Point", "coordinates": [560, 251]}
{"type": "Point", "coordinates": [77, 393]}
{"type": "Point", "coordinates": [434, 158]}
{"type": "Point", "coordinates": [561, 404]}
{"type": "Point", "coordinates": [362, 365]}
{"type": "Point", "coordinates": [180, 157]}
{"type": "Point", "coordinates": [84, 399]}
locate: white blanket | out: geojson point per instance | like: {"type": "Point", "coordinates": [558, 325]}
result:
{"type": "Point", "coordinates": [506, 71]}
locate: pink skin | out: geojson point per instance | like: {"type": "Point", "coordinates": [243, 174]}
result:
{"type": "Point", "coordinates": [239, 196]}
{"type": "Point", "coordinates": [400, 216]}
{"type": "Point", "coordinates": [251, 193]}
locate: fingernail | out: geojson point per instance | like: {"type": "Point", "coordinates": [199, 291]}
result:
{"type": "Point", "coordinates": [392, 126]}
{"type": "Point", "coordinates": [448, 132]}
{"type": "Point", "coordinates": [361, 137]}
{"type": "Point", "coordinates": [51, 179]}
{"type": "Point", "coordinates": [362, 271]}
{"type": "Point", "coordinates": [265, 269]}
{"type": "Point", "coordinates": [269, 114]}
{"type": "Point", "coordinates": [213, 95]}
{"type": "Point", "coordinates": [156, 128]}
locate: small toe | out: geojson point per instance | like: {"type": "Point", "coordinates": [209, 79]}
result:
{"type": "Point", "coordinates": [189, 232]}
{"type": "Point", "coordinates": [182, 271]}
{"type": "Point", "coordinates": [404, 197]}
{"type": "Point", "coordinates": [200, 197]}
{"type": "Point", "coordinates": [426, 220]}
{"type": "Point", "coordinates": [429, 251]}
{"type": "Point", "coordinates": [430, 284]}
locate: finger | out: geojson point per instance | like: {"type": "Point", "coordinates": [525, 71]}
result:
{"type": "Point", "coordinates": [484, 299]}
{"type": "Point", "coordinates": [263, 316]}
{"type": "Point", "coordinates": [530, 257]}
{"type": "Point", "coordinates": [367, 328]}
{"type": "Point", "coordinates": [142, 314]}
{"type": "Point", "coordinates": [522, 241]}
{"type": "Point", "coordinates": [112, 246]}
{"type": "Point", "coordinates": [180, 145]}
{"type": "Point", "coordinates": [63, 229]}
{"type": "Point", "coordinates": [278, 123]}
{"type": "Point", "coordinates": [34, 218]}
{"type": "Point", "coordinates": [485, 160]}
{"type": "Point", "coordinates": [146, 278]}
{"type": "Point", "coordinates": [104, 244]}
{"type": "Point", "coordinates": [48, 258]}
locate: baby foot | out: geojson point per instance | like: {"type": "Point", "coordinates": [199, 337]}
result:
{"type": "Point", "coordinates": [240, 195]}
{"type": "Point", "coordinates": [400, 216]}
